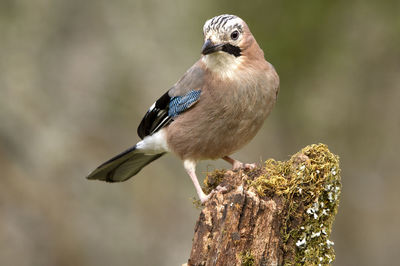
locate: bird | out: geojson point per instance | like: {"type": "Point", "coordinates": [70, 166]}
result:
{"type": "Point", "coordinates": [212, 111]}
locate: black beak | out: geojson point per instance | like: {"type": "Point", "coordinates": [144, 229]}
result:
{"type": "Point", "coordinates": [209, 47]}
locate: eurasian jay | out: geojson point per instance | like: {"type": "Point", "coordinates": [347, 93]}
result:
{"type": "Point", "coordinates": [212, 111]}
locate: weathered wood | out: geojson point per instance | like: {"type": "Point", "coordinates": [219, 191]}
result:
{"type": "Point", "coordinates": [274, 215]}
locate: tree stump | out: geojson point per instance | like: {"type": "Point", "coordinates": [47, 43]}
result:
{"type": "Point", "coordinates": [280, 214]}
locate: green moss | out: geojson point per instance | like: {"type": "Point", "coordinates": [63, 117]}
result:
{"type": "Point", "coordinates": [212, 180]}
{"type": "Point", "coordinates": [247, 259]}
{"type": "Point", "coordinates": [197, 203]}
{"type": "Point", "coordinates": [310, 185]}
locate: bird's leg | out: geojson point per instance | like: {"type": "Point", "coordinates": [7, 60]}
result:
{"type": "Point", "coordinates": [190, 167]}
{"type": "Point", "coordinates": [237, 164]}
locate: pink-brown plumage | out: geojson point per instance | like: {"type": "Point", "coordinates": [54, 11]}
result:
{"type": "Point", "coordinates": [226, 118]}
{"type": "Point", "coordinates": [230, 111]}
{"type": "Point", "coordinates": [216, 108]}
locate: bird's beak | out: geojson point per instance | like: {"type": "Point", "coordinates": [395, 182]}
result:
{"type": "Point", "coordinates": [209, 47]}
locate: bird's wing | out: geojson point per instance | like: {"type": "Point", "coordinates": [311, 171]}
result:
{"type": "Point", "coordinates": [183, 95]}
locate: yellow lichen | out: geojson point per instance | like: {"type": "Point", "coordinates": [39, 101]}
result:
{"type": "Point", "coordinates": [247, 259]}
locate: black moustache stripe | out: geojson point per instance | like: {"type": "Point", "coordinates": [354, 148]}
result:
{"type": "Point", "coordinates": [232, 49]}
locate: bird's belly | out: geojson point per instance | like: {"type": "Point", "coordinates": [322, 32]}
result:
{"type": "Point", "coordinates": [212, 136]}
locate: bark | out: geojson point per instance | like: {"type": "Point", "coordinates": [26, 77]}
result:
{"type": "Point", "coordinates": [266, 219]}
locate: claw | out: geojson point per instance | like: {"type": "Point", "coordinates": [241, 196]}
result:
{"type": "Point", "coordinates": [204, 197]}
{"type": "Point", "coordinates": [218, 189]}
{"type": "Point", "coordinates": [249, 165]}
{"type": "Point", "coordinates": [239, 165]}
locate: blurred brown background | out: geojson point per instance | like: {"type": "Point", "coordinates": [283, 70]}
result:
{"type": "Point", "coordinates": [76, 78]}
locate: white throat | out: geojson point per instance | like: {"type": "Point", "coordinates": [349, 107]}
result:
{"type": "Point", "coordinates": [223, 63]}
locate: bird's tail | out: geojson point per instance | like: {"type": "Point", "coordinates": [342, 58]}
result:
{"type": "Point", "coordinates": [123, 166]}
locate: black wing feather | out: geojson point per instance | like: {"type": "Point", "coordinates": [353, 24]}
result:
{"type": "Point", "coordinates": [155, 117]}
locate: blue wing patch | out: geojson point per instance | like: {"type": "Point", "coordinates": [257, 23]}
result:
{"type": "Point", "coordinates": [180, 104]}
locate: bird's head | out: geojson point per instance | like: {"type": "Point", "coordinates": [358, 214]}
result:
{"type": "Point", "coordinates": [227, 40]}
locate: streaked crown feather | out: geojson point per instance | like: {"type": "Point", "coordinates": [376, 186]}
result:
{"type": "Point", "coordinates": [224, 23]}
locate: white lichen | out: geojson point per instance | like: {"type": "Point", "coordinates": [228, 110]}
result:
{"type": "Point", "coordinates": [330, 196]}
{"type": "Point", "coordinates": [329, 258]}
{"type": "Point", "coordinates": [333, 171]}
{"type": "Point", "coordinates": [301, 242]}
{"type": "Point", "coordinates": [315, 234]}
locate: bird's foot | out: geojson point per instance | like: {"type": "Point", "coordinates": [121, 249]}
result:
{"type": "Point", "coordinates": [239, 165]}
{"type": "Point", "coordinates": [204, 197]}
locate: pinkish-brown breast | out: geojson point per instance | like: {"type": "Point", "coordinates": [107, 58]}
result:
{"type": "Point", "coordinates": [227, 116]}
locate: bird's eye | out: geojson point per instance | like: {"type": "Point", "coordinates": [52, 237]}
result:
{"type": "Point", "coordinates": [235, 35]}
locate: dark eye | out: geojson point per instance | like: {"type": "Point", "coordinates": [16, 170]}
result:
{"type": "Point", "coordinates": [235, 35]}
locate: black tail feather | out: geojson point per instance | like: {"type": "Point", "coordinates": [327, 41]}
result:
{"type": "Point", "coordinates": [123, 166]}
